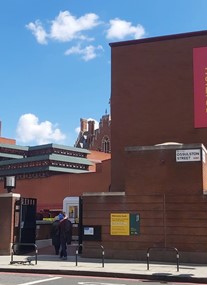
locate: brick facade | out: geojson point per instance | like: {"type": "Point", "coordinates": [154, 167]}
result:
{"type": "Point", "coordinates": [95, 139]}
{"type": "Point", "coordinates": [152, 103]}
{"type": "Point", "coordinates": [7, 141]}
{"type": "Point", "coordinates": [152, 98]}
{"type": "Point", "coordinates": [50, 191]}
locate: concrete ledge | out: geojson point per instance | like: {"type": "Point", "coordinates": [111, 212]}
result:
{"type": "Point", "coordinates": [6, 195]}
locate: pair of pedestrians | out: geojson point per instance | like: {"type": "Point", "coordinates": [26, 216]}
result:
{"type": "Point", "coordinates": [61, 234]}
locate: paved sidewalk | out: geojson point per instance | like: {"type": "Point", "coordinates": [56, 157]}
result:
{"type": "Point", "coordinates": [51, 264]}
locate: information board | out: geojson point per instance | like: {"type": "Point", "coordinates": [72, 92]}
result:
{"type": "Point", "coordinates": [124, 224]}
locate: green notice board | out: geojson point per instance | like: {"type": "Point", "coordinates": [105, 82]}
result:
{"type": "Point", "coordinates": [134, 224]}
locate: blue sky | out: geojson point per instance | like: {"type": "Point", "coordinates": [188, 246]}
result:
{"type": "Point", "coordinates": [55, 58]}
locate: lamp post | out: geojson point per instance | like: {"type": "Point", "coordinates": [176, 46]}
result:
{"type": "Point", "coordinates": [9, 183]}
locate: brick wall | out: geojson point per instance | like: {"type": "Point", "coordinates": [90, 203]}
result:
{"type": "Point", "coordinates": [7, 141]}
{"type": "Point", "coordinates": [7, 201]}
{"type": "Point", "coordinates": [172, 207]}
{"type": "Point", "coordinates": [50, 191]}
{"type": "Point", "coordinates": [101, 134]}
{"type": "Point", "coordinates": [152, 96]}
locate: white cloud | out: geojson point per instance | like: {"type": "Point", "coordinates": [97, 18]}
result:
{"type": "Point", "coordinates": [87, 53]}
{"type": "Point", "coordinates": [38, 31]}
{"type": "Point", "coordinates": [120, 29]}
{"type": "Point", "coordinates": [30, 130]}
{"type": "Point", "coordinates": [64, 28]}
{"type": "Point", "coordinates": [67, 27]}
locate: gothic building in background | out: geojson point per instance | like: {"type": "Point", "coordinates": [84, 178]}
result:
{"type": "Point", "coordinates": [95, 139]}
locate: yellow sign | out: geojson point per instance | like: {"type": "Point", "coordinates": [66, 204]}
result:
{"type": "Point", "coordinates": [119, 224]}
{"type": "Point", "coordinates": [73, 213]}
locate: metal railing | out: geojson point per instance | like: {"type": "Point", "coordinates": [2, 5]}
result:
{"type": "Point", "coordinates": [165, 248]}
{"type": "Point", "coordinates": [92, 246]}
{"type": "Point", "coordinates": [28, 259]}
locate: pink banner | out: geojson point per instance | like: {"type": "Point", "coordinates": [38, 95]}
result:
{"type": "Point", "coordinates": [200, 87]}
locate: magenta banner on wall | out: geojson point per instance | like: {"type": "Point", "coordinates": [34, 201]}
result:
{"type": "Point", "coordinates": [200, 87]}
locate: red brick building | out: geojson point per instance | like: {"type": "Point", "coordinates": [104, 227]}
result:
{"type": "Point", "coordinates": [52, 172]}
{"type": "Point", "coordinates": [158, 96]}
{"type": "Point", "coordinates": [95, 139]}
{"type": "Point", "coordinates": [153, 87]}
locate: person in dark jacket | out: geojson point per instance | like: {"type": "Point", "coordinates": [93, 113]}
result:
{"type": "Point", "coordinates": [65, 228]}
{"type": "Point", "coordinates": [55, 235]}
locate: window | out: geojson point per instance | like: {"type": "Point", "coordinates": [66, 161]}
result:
{"type": "Point", "coordinates": [106, 144]}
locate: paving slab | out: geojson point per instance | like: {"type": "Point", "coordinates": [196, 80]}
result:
{"type": "Point", "coordinates": [77, 265]}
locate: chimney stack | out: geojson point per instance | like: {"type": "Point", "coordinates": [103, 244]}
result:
{"type": "Point", "coordinates": [91, 127]}
{"type": "Point", "coordinates": [83, 125]}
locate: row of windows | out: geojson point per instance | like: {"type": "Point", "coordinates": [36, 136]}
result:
{"type": "Point", "coordinates": [42, 152]}
{"type": "Point", "coordinates": [69, 165]}
{"type": "Point", "coordinates": [25, 165]}
{"type": "Point", "coordinates": [44, 163]}
{"type": "Point", "coordinates": [56, 151]}
{"type": "Point", "coordinates": [31, 175]}
{"type": "Point", "coordinates": [12, 151]}
{"type": "Point", "coordinates": [69, 153]}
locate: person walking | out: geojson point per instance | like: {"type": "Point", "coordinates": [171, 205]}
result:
{"type": "Point", "coordinates": [55, 235]}
{"type": "Point", "coordinates": [65, 228]}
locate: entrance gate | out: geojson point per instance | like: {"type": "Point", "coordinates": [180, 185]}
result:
{"type": "Point", "coordinates": [24, 224]}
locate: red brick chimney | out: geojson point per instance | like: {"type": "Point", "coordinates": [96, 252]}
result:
{"type": "Point", "coordinates": [83, 125]}
{"type": "Point", "coordinates": [91, 127]}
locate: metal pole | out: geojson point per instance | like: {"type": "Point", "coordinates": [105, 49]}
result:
{"type": "Point", "coordinates": [76, 256]}
{"type": "Point", "coordinates": [178, 262]}
{"type": "Point", "coordinates": [148, 259]}
{"type": "Point", "coordinates": [36, 252]}
{"type": "Point", "coordinates": [12, 253]}
{"type": "Point", "coordinates": [102, 256]}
